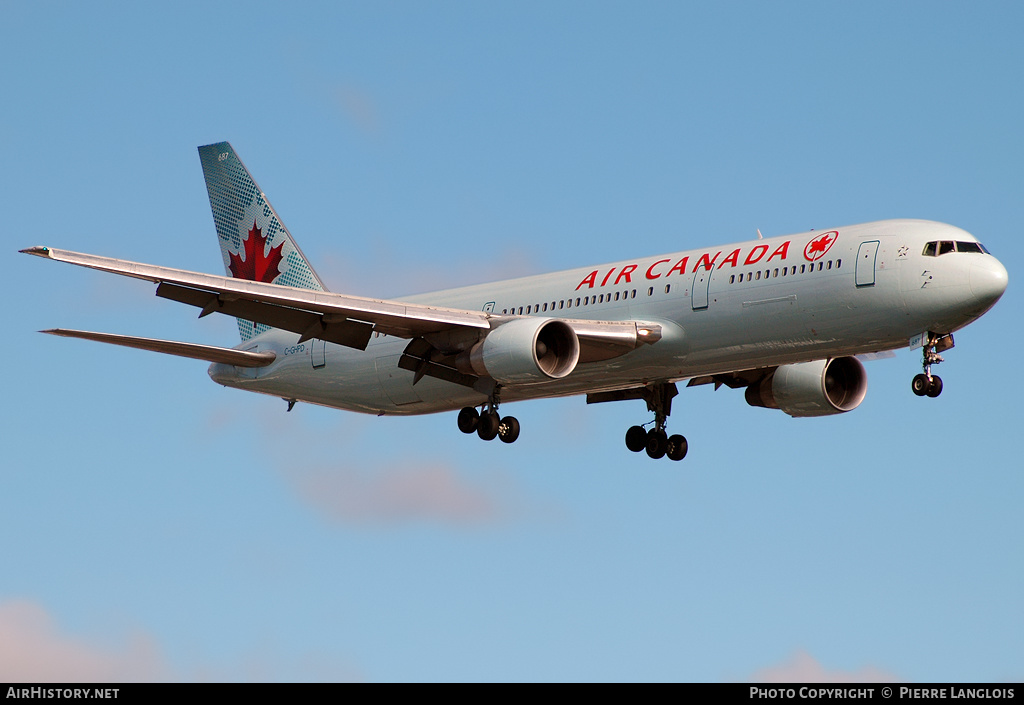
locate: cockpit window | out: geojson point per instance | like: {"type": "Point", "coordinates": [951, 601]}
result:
{"type": "Point", "coordinates": [969, 247]}
{"type": "Point", "coordinates": [934, 249]}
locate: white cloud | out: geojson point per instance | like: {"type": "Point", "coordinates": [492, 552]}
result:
{"type": "Point", "coordinates": [33, 650]}
{"type": "Point", "coordinates": [410, 492]}
{"type": "Point", "coordinates": [385, 489]}
{"type": "Point", "coordinates": [804, 668]}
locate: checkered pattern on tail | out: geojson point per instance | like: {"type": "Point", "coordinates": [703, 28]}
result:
{"type": "Point", "coordinates": [245, 220]}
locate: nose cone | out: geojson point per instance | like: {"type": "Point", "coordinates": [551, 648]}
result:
{"type": "Point", "coordinates": [988, 280]}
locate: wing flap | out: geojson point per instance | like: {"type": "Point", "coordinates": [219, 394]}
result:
{"type": "Point", "coordinates": [353, 334]}
{"type": "Point", "coordinates": [210, 353]}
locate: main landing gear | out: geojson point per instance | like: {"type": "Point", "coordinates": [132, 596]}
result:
{"type": "Point", "coordinates": [656, 441]}
{"type": "Point", "coordinates": [927, 384]}
{"type": "Point", "coordinates": [488, 424]}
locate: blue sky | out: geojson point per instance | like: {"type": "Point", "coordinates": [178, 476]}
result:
{"type": "Point", "coordinates": [156, 526]}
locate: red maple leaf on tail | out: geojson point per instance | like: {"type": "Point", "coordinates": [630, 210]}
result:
{"type": "Point", "coordinates": [256, 266]}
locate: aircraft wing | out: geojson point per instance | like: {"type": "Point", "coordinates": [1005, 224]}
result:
{"type": "Point", "coordinates": [338, 318]}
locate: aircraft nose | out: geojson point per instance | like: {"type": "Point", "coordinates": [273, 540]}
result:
{"type": "Point", "coordinates": [988, 280]}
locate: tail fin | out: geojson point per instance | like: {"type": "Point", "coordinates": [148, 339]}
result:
{"type": "Point", "coordinates": [254, 242]}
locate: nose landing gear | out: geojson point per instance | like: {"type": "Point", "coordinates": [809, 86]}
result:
{"type": "Point", "coordinates": [927, 384]}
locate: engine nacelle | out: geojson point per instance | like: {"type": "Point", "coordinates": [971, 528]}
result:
{"type": "Point", "coordinates": [818, 388]}
{"type": "Point", "coordinates": [525, 350]}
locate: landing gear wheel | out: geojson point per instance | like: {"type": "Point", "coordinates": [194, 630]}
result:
{"type": "Point", "coordinates": [636, 438]}
{"type": "Point", "coordinates": [508, 429]}
{"type": "Point", "coordinates": [935, 387]}
{"type": "Point", "coordinates": [677, 447]}
{"type": "Point", "coordinates": [487, 428]}
{"type": "Point", "coordinates": [920, 384]}
{"type": "Point", "coordinates": [469, 418]}
{"type": "Point", "coordinates": [657, 443]}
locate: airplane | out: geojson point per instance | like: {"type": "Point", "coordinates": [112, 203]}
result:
{"type": "Point", "coordinates": [787, 318]}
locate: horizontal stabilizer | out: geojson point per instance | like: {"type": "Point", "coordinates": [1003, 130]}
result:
{"type": "Point", "coordinates": [210, 353]}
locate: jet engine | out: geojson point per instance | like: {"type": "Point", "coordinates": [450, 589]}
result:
{"type": "Point", "coordinates": [524, 350]}
{"type": "Point", "coordinates": [818, 388]}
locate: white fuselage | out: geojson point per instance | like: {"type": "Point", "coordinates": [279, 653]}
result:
{"type": "Point", "coordinates": [762, 303]}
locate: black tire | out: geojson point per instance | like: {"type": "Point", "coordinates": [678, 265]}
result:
{"type": "Point", "coordinates": [657, 444]}
{"type": "Point", "coordinates": [935, 388]}
{"type": "Point", "coordinates": [487, 427]}
{"type": "Point", "coordinates": [468, 419]}
{"type": "Point", "coordinates": [508, 429]}
{"type": "Point", "coordinates": [636, 438]}
{"type": "Point", "coordinates": [920, 384]}
{"type": "Point", "coordinates": [677, 447]}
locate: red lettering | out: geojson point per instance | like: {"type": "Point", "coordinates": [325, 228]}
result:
{"type": "Point", "coordinates": [780, 251]}
{"type": "Point", "coordinates": [733, 256]}
{"type": "Point", "coordinates": [707, 263]}
{"type": "Point", "coordinates": [751, 259]}
{"type": "Point", "coordinates": [650, 270]}
{"type": "Point", "coordinates": [589, 281]}
{"type": "Point", "coordinates": [626, 271]}
{"type": "Point", "coordinates": [679, 266]}
{"type": "Point", "coordinates": [605, 280]}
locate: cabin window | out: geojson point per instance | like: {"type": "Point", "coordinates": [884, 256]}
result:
{"type": "Point", "coordinates": [577, 301]}
{"type": "Point", "coordinates": [829, 265]}
{"type": "Point", "coordinates": [776, 272]}
{"type": "Point", "coordinates": [668, 288]}
{"type": "Point", "coordinates": [650, 291]}
{"type": "Point", "coordinates": [839, 263]}
{"type": "Point", "coordinates": [757, 275]}
{"type": "Point", "coordinates": [520, 310]}
{"type": "Point", "coordinates": [802, 266]}
{"type": "Point", "coordinates": [732, 278]}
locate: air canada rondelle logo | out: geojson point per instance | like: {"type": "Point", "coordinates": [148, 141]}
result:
{"type": "Point", "coordinates": [258, 265]}
{"type": "Point", "coordinates": [817, 247]}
